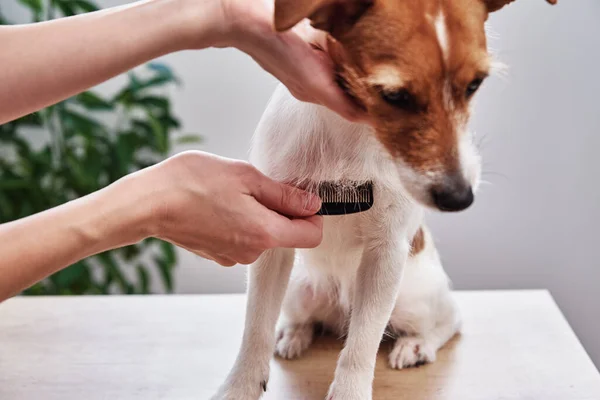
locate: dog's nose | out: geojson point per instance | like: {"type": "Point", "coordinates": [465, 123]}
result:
{"type": "Point", "coordinates": [453, 197]}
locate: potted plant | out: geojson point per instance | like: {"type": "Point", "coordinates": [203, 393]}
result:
{"type": "Point", "coordinates": [81, 145]}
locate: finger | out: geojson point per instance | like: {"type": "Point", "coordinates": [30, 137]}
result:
{"type": "Point", "coordinates": [328, 91]}
{"type": "Point", "coordinates": [301, 233]}
{"type": "Point", "coordinates": [285, 199]}
{"type": "Point", "coordinates": [225, 262]}
{"type": "Point", "coordinates": [334, 98]}
{"type": "Point", "coordinates": [248, 258]}
{"type": "Point", "coordinates": [222, 260]}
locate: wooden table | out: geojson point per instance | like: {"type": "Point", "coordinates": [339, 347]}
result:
{"type": "Point", "coordinates": [515, 345]}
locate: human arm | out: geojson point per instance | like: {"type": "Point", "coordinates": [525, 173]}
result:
{"type": "Point", "coordinates": [42, 64]}
{"type": "Point", "coordinates": [218, 208]}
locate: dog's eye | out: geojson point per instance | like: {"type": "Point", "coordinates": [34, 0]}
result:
{"type": "Point", "coordinates": [401, 98]}
{"type": "Point", "coordinates": [473, 86]}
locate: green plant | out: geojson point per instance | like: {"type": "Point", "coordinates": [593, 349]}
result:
{"type": "Point", "coordinates": [81, 145]}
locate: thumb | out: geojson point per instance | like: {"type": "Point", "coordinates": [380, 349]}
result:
{"type": "Point", "coordinates": [285, 199]}
{"type": "Point", "coordinates": [302, 233]}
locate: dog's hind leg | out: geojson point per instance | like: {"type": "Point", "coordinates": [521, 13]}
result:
{"type": "Point", "coordinates": [295, 328]}
{"type": "Point", "coordinates": [421, 348]}
{"type": "Point", "coordinates": [268, 279]}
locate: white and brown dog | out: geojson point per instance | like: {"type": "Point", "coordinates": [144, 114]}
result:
{"type": "Point", "coordinates": [414, 67]}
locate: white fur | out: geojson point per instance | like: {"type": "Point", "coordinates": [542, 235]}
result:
{"type": "Point", "coordinates": [441, 31]}
{"type": "Point", "coordinates": [361, 279]}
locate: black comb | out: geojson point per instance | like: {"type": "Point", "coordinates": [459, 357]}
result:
{"type": "Point", "coordinates": [345, 198]}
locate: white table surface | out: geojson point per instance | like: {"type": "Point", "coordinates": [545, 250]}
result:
{"type": "Point", "coordinates": [515, 346]}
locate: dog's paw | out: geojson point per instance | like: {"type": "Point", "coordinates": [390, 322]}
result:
{"type": "Point", "coordinates": [351, 385]}
{"type": "Point", "coordinates": [241, 392]}
{"type": "Point", "coordinates": [293, 340]}
{"type": "Point", "coordinates": [247, 385]}
{"type": "Point", "coordinates": [410, 351]}
{"type": "Point", "coordinates": [349, 392]}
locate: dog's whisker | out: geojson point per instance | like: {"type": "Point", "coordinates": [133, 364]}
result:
{"type": "Point", "coordinates": [493, 173]}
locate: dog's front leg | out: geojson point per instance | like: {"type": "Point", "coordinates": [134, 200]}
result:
{"type": "Point", "coordinates": [267, 284]}
{"type": "Point", "coordinates": [377, 286]}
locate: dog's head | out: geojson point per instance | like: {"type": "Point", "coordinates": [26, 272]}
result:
{"type": "Point", "coordinates": [414, 66]}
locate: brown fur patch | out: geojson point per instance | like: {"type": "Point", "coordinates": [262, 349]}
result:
{"type": "Point", "coordinates": [402, 35]}
{"type": "Point", "coordinates": [418, 242]}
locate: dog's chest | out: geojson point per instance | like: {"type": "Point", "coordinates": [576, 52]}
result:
{"type": "Point", "coordinates": [342, 246]}
{"type": "Point", "coordinates": [305, 144]}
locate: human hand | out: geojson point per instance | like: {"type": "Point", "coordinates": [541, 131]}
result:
{"type": "Point", "coordinates": [306, 70]}
{"type": "Point", "coordinates": [226, 210]}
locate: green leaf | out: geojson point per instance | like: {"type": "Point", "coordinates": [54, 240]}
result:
{"type": "Point", "coordinates": [66, 7]}
{"type": "Point", "coordinates": [164, 74]}
{"type": "Point", "coordinates": [162, 69]}
{"type": "Point", "coordinates": [157, 81]}
{"type": "Point", "coordinates": [33, 119]}
{"type": "Point", "coordinates": [85, 6]}
{"type": "Point", "coordinates": [92, 155]}
{"type": "Point", "coordinates": [130, 252]}
{"type": "Point", "coordinates": [23, 148]}
{"type": "Point", "coordinates": [155, 102]}
{"type": "Point", "coordinates": [164, 268]}
{"type": "Point", "coordinates": [125, 151]}
{"type": "Point", "coordinates": [160, 135]}
{"type": "Point", "coordinates": [11, 184]}
{"type": "Point", "coordinates": [7, 209]}
{"type": "Point", "coordinates": [39, 289]}
{"type": "Point", "coordinates": [139, 125]}
{"type": "Point", "coordinates": [168, 251]}
{"type": "Point", "coordinates": [143, 280]}
{"type": "Point", "coordinates": [125, 97]}
{"type": "Point", "coordinates": [169, 121]}
{"type": "Point", "coordinates": [67, 277]}
{"type": "Point", "coordinates": [151, 240]}
{"type": "Point", "coordinates": [82, 181]}
{"type": "Point", "coordinates": [35, 6]}
{"type": "Point", "coordinates": [188, 139]}
{"type": "Point", "coordinates": [114, 273]}
{"type": "Point", "coordinates": [76, 123]}
{"type": "Point", "coordinates": [134, 82]}
{"type": "Point", "coordinates": [27, 209]}
{"type": "Point", "coordinates": [95, 160]}
{"type": "Point", "coordinates": [4, 21]}
{"type": "Point", "coordinates": [92, 101]}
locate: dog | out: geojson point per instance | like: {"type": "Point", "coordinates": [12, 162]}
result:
{"type": "Point", "coordinates": [413, 66]}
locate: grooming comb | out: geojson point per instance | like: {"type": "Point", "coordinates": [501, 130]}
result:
{"type": "Point", "coordinates": [345, 198]}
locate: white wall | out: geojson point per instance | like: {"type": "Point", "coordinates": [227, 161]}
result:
{"type": "Point", "coordinates": [535, 226]}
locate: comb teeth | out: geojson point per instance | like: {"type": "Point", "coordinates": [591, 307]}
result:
{"type": "Point", "coordinates": [345, 198]}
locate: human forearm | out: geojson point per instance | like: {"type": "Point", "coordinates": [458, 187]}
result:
{"type": "Point", "coordinates": [37, 246]}
{"type": "Point", "coordinates": [220, 209]}
{"type": "Point", "coordinates": [47, 62]}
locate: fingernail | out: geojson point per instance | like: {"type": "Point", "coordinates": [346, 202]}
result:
{"type": "Point", "coordinates": [312, 202]}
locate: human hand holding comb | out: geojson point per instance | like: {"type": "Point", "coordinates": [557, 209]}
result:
{"type": "Point", "coordinates": [220, 209]}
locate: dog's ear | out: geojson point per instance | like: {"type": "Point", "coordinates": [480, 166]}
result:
{"type": "Point", "coordinates": [495, 5]}
{"type": "Point", "coordinates": [332, 16]}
